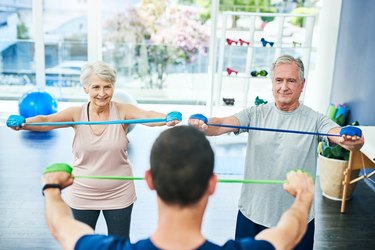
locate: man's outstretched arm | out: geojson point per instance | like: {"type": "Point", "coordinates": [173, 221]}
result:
{"type": "Point", "coordinates": [293, 223]}
{"type": "Point", "coordinates": [64, 228]}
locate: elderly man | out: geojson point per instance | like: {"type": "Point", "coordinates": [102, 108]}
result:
{"type": "Point", "coordinates": [272, 154]}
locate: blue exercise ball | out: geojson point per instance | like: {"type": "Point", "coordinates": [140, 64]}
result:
{"type": "Point", "coordinates": [38, 102]}
{"type": "Point", "coordinates": [123, 97]}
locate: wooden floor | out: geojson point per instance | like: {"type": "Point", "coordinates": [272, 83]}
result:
{"type": "Point", "coordinates": [24, 154]}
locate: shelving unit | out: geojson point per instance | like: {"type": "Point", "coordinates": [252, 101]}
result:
{"type": "Point", "coordinates": [255, 56]}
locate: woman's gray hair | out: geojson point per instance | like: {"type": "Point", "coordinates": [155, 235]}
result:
{"type": "Point", "coordinates": [289, 59]}
{"type": "Point", "coordinates": [101, 69]}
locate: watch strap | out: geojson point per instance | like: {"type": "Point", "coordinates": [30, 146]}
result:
{"type": "Point", "coordinates": [46, 186]}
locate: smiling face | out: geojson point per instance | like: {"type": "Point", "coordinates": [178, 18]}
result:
{"type": "Point", "coordinates": [286, 86]}
{"type": "Point", "coordinates": [100, 92]}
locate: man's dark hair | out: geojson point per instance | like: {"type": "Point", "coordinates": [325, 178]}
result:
{"type": "Point", "coordinates": [182, 162]}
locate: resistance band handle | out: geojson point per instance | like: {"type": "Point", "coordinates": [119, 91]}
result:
{"type": "Point", "coordinates": [350, 130]}
{"type": "Point", "coordinates": [174, 115]}
{"type": "Point", "coordinates": [199, 117]}
{"type": "Point", "coordinates": [15, 121]}
{"type": "Point", "coordinates": [58, 167]}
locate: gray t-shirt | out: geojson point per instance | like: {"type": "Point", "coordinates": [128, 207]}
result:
{"type": "Point", "coordinates": [271, 155]}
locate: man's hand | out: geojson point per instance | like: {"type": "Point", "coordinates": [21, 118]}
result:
{"type": "Point", "coordinates": [351, 138]}
{"type": "Point", "coordinates": [293, 223]}
{"type": "Point", "coordinates": [58, 173]}
{"type": "Point", "coordinates": [16, 121]}
{"type": "Point", "coordinates": [173, 118]}
{"type": "Point", "coordinates": [198, 121]}
{"type": "Point", "coordinates": [66, 230]}
{"type": "Point", "coordinates": [299, 183]}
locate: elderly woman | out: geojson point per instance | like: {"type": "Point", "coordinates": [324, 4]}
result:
{"type": "Point", "coordinates": [99, 150]}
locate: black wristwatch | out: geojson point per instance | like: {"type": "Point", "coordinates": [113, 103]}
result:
{"type": "Point", "coordinates": [50, 186]}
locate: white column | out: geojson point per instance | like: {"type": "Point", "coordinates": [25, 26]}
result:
{"type": "Point", "coordinates": [212, 56]}
{"type": "Point", "coordinates": [94, 30]}
{"type": "Point", "coordinates": [318, 91]}
{"type": "Point", "coordinates": [40, 77]}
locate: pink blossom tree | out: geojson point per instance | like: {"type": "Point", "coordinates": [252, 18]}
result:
{"type": "Point", "coordinates": [162, 33]}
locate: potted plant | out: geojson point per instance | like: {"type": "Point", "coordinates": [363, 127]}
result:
{"type": "Point", "coordinates": [333, 162]}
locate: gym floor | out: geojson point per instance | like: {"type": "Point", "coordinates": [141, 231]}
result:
{"type": "Point", "coordinates": [24, 154]}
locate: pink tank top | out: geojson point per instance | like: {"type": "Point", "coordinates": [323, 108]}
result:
{"type": "Point", "coordinates": [104, 154]}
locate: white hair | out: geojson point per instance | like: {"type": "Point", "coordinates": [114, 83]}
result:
{"type": "Point", "coordinates": [289, 59]}
{"type": "Point", "coordinates": [102, 70]}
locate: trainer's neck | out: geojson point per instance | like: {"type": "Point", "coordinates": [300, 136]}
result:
{"type": "Point", "coordinates": [178, 228]}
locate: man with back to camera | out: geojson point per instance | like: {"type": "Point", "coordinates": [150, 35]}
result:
{"type": "Point", "coordinates": [270, 155]}
{"type": "Point", "coordinates": [182, 164]}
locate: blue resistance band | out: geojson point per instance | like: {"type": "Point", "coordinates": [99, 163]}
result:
{"type": "Point", "coordinates": [271, 129]}
{"type": "Point", "coordinates": [348, 130]}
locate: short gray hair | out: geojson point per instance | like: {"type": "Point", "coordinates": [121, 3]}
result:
{"type": "Point", "coordinates": [102, 70]}
{"type": "Point", "coordinates": [289, 59]}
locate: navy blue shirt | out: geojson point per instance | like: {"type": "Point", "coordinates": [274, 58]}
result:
{"type": "Point", "coordinates": [95, 241]}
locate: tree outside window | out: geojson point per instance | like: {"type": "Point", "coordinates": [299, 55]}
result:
{"type": "Point", "coordinates": [157, 34]}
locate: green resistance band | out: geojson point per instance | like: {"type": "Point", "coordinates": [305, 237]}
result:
{"type": "Point", "coordinates": [130, 178]}
{"type": "Point", "coordinates": [63, 167]}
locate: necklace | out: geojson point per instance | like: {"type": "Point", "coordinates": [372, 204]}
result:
{"type": "Point", "coordinates": [88, 112]}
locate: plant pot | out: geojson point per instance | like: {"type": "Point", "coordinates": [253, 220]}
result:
{"type": "Point", "coordinates": [332, 176]}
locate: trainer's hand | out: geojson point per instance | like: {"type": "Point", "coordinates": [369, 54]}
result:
{"type": "Point", "coordinates": [16, 121]}
{"type": "Point", "coordinates": [351, 138]}
{"type": "Point", "coordinates": [299, 183]}
{"type": "Point", "coordinates": [58, 173]}
{"type": "Point", "coordinates": [199, 121]}
{"type": "Point", "coordinates": [173, 118]}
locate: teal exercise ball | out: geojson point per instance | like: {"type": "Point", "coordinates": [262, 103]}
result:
{"type": "Point", "coordinates": [37, 102]}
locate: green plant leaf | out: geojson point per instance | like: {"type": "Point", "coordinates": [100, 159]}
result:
{"type": "Point", "coordinates": [337, 152]}
{"type": "Point", "coordinates": [333, 152]}
{"type": "Point", "coordinates": [327, 152]}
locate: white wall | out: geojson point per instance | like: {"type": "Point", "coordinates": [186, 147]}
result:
{"type": "Point", "coordinates": [318, 90]}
